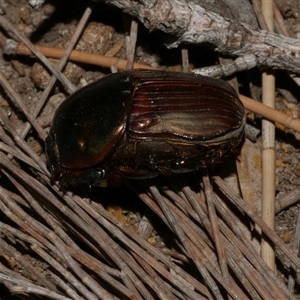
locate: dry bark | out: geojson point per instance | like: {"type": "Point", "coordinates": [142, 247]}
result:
{"type": "Point", "coordinates": [187, 22]}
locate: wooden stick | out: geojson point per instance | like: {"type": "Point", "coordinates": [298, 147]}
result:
{"type": "Point", "coordinates": [270, 113]}
{"type": "Point", "coordinates": [84, 57]}
{"type": "Point", "coordinates": [131, 44]}
{"type": "Point", "coordinates": [214, 225]}
{"type": "Point", "coordinates": [268, 150]}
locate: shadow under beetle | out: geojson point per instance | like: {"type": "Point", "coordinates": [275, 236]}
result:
{"type": "Point", "coordinates": [142, 123]}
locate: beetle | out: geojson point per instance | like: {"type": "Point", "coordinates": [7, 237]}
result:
{"type": "Point", "coordinates": [142, 123]}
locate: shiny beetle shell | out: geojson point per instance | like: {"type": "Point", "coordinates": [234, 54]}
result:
{"type": "Point", "coordinates": [142, 123]}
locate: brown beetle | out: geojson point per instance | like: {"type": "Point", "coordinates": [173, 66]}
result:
{"type": "Point", "coordinates": [142, 123]}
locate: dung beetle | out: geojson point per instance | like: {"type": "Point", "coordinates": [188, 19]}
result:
{"type": "Point", "coordinates": [142, 123]}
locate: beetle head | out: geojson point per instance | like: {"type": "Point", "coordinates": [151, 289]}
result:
{"type": "Point", "coordinates": [70, 176]}
{"type": "Point", "coordinates": [86, 129]}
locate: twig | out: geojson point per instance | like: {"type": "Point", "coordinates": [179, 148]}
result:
{"type": "Point", "coordinates": [103, 216]}
{"type": "Point", "coordinates": [186, 22]}
{"type": "Point", "coordinates": [5, 84]}
{"type": "Point", "coordinates": [214, 224]}
{"type": "Point", "coordinates": [243, 170]}
{"type": "Point", "coordinates": [268, 150]}
{"type": "Point", "coordinates": [131, 44]}
{"type": "Point", "coordinates": [258, 11]}
{"type": "Point", "coordinates": [20, 142]}
{"type": "Point", "coordinates": [287, 200]}
{"type": "Point", "coordinates": [61, 64]}
{"type": "Point", "coordinates": [271, 114]}
{"type": "Point", "coordinates": [18, 286]}
{"type": "Point", "coordinates": [185, 60]}
{"type": "Point", "coordinates": [66, 274]}
{"type": "Point", "coordinates": [267, 230]}
{"type": "Point", "coordinates": [205, 268]}
{"type": "Point", "coordinates": [296, 244]}
{"type": "Point", "coordinates": [280, 20]}
{"type": "Point", "coordinates": [75, 55]}
{"type": "Point", "coordinates": [29, 270]}
{"type": "Point", "coordinates": [239, 242]}
{"type": "Point", "coordinates": [72, 264]}
{"type": "Point", "coordinates": [11, 29]}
